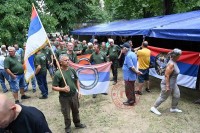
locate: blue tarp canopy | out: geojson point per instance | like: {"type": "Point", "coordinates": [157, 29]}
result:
{"type": "Point", "coordinates": [183, 26]}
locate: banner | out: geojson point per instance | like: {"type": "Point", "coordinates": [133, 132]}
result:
{"type": "Point", "coordinates": [94, 79]}
{"type": "Point", "coordinates": [37, 38]}
{"type": "Point", "coordinates": [84, 59]}
{"type": "Point", "coordinates": [188, 64]}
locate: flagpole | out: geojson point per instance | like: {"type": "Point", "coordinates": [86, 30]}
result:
{"type": "Point", "coordinates": [52, 51]}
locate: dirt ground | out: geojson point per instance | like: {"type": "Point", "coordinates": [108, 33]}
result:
{"type": "Point", "coordinates": [106, 114]}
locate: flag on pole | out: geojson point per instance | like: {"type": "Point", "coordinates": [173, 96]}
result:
{"type": "Point", "coordinates": [37, 38]}
{"type": "Point", "coordinates": [93, 79]}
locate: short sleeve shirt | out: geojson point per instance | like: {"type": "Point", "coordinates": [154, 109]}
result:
{"type": "Point", "coordinates": [144, 58]}
{"type": "Point", "coordinates": [113, 52]}
{"type": "Point", "coordinates": [40, 59]}
{"type": "Point", "coordinates": [98, 58]}
{"type": "Point", "coordinates": [129, 62]}
{"type": "Point", "coordinates": [14, 65]}
{"type": "Point", "coordinates": [70, 78]}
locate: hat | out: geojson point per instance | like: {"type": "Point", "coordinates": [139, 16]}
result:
{"type": "Point", "coordinates": [127, 45]}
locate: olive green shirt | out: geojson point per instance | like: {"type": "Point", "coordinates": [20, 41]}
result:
{"type": "Point", "coordinates": [70, 77]}
{"type": "Point", "coordinates": [89, 51]}
{"type": "Point", "coordinates": [104, 51]}
{"type": "Point", "coordinates": [60, 51]}
{"type": "Point", "coordinates": [48, 53]}
{"type": "Point", "coordinates": [78, 47]}
{"type": "Point", "coordinates": [14, 65]}
{"type": "Point", "coordinates": [73, 57]}
{"type": "Point", "coordinates": [98, 58]}
{"type": "Point", "coordinates": [40, 59]}
{"type": "Point", "coordinates": [113, 52]}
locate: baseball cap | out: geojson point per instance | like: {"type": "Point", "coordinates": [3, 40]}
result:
{"type": "Point", "coordinates": [127, 45]}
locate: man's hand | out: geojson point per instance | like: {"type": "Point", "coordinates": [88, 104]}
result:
{"type": "Point", "coordinates": [79, 95]}
{"type": "Point", "coordinates": [138, 72]}
{"type": "Point", "coordinates": [14, 77]}
{"type": "Point", "coordinates": [66, 89]}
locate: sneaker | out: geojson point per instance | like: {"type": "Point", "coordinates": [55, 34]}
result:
{"type": "Point", "coordinates": [80, 126]}
{"type": "Point", "coordinates": [155, 111]}
{"type": "Point", "coordinates": [25, 97]}
{"type": "Point", "coordinates": [16, 101]}
{"type": "Point", "coordinates": [147, 90]}
{"type": "Point", "coordinates": [175, 110]}
{"type": "Point", "coordinates": [129, 103]}
{"type": "Point", "coordinates": [104, 93]}
{"type": "Point", "coordinates": [94, 95]}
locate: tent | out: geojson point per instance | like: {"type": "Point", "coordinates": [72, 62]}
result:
{"type": "Point", "coordinates": [183, 26]}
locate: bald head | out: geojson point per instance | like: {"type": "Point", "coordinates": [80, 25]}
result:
{"type": "Point", "coordinates": [7, 111]}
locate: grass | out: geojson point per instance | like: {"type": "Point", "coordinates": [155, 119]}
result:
{"type": "Point", "coordinates": [101, 115]}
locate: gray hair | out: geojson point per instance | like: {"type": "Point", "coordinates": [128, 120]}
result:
{"type": "Point", "coordinates": [175, 52]}
{"type": "Point", "coordinates": [63, 55]}
{"type": "Point", "coordinates": [11, 48]}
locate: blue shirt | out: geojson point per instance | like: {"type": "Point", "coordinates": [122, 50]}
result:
{"type": "Point", "coordinates": [129, 62]}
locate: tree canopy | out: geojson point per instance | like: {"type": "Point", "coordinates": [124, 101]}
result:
{"type": "Point", "coordinates": [65, 15]}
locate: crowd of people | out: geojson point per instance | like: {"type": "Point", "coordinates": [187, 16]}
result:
{"type": "Point", "coordinates": [57, 55]}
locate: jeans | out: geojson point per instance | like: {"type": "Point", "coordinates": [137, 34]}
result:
{"type": "Point", "coordinates": [33, 82]}
{"type": "Point", "coordinates": [3, 76]}
{"type": "Point", "coordinates": [42, 83]}
{"type": "Point", "coordinates": [51, 69]}
{"type": "Point", "coordinates": [17, 83]}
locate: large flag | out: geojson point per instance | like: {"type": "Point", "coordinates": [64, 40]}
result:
{"type": "Point", "coordinates": [188, 64]}
{"type": "Point", "coordinates": [94, 79]}
{"type": "Point", "coordinates": [37, 38]}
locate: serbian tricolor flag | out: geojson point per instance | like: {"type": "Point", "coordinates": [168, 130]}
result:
{"type": "Point", "coordinates": [37, 38]}
{"type": "Point", "coordinates": [93, 79]}
{"type": "Point", "coordinates": [188, 64]}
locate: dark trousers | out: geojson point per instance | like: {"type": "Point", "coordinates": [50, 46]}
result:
{"type": "Point", "coordinates": [114, 67]}
{"type": "Point", "coordinates": [42, 83]}
{"type": "Point", "coordinates": [68, 103]}
{"type": "Point", "coordinates": [130, 90]}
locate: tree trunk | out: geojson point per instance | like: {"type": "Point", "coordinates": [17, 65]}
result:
{"type": "Point", "coordinates": [168, 7]}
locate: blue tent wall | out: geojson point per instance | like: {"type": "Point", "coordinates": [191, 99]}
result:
{"type": "Point", "coordinates": [183, 26]}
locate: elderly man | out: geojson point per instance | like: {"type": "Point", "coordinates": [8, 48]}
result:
{"type": "Point", "coordinates": [71, 54]}
{"type": "Point", "coordinates": [40, 62]}
{"type": "Point", "coordinates": [77, 47]}
{"type": "Point", "coordinates": [104, 49]}
{"type": "Point", "coordinates": [68, 95]}
{"type": "Point", "coordinates": [97, 57]}
{"type": "Point", "coordinates": [113, 53]}
{"type": "Point", "coordinates": [129, 73]}
{"type": "Point", "coordinates": [17, 118]}
{"type": "Point", "coordinates": [3, 51]}
{"type": "Point", "coordinates": [84, 44]}
{"type": "Point", "coordinates": [14, 68]}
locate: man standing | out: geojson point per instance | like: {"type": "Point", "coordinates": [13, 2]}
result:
{"type": "Point", "coordinates": [113, 53]}
{"type": "Point", "coordinates": [3, 75]}
{"type": "Point", "coordinates": [15, 69]}
{"type": "Point", "coordinates": [49, 56]}
{"type": "Point", "coordinates": [71, 54]}
{"type": "Point", "coordinates": [129, 73]}
{"type": "Point", "coordinates": [97, 57]}
{"type": "Point", "coordinates": [68, 95]}
{"type": "Point", "coordinates": [143, 54]}
{"type": "Point", "coordinates": [77, 47]}
{"type": "Point", "coordinates": [104, 49]}
{"type": "Point", "coordinates": [41, 73]}
{"type": "Point", "coordinates": [17, 118]}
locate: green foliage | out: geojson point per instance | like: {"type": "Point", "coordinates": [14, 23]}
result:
{"type": "Point", "coordinates": [15, 19]}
